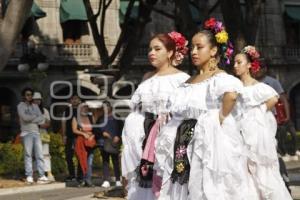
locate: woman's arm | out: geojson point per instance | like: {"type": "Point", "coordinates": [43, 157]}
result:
{"type": "Point", "coordinates": [228, 103]}
{"type": "Point", "coordinates": [270, 103]}
{"type": "Point", "coordinates": [76, 130]}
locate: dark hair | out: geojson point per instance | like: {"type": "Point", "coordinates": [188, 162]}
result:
{"type": "Point", "coordinates": [167, 42]}
{"type": "Point", "coordinates": [41, 107]}
{"type": "Point", "coordinates": [213, 42]}
{"type": "Point", "coordinates": [107, 103]}
{"type": "Point", "coordinates": [26, 90]}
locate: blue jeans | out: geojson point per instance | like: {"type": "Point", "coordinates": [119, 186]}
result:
{"type": "Point", "coordinates": [32, 143]}
{"type": "Point", "coordinates": [90, 165]}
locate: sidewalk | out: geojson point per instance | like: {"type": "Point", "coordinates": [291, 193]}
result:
{"type": "Point", "coordinates": [31, 188]}
{"type": "Point", "coordinates": [9, 187]}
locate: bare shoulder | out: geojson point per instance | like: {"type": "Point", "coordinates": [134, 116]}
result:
{"type": "Point", "coordinates": [190, 80]}
{"type": "Point", "coordinates": [148, 75]}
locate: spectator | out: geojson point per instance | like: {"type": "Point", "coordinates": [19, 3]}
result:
{"type": "Point", "coordinates": [97, 114]}
{"type": "Point", "coordinates": [45, 137]}
{"type": "Point", "coordinates": [69, 138]}
{"type": "Point", "coordinates": [30, 118]}
{"type": "Point", "coordinates": [82, 128]}
{"type": "Point", "coordinates": [111, 131]}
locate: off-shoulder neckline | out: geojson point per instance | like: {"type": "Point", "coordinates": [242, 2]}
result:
{"type": "Point", "coordinates": [206, 80]}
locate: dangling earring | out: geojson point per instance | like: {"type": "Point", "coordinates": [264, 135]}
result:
{"type": "Point", "coordinates": [169, 62]}
{"type": "Point", "coordinates": [212, 65]}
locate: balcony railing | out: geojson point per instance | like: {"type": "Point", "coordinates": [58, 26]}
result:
{"type": "Point", "coordinates": [292, 53]}
{"type": "Point", "coordinates": [61, 54]}
{"type": "Point", "coordinates": [74, 50]}
{"type": "Point", "coordinates": [281, 54]}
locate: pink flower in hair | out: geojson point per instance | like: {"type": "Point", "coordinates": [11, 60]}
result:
{"type": "Point", "coordinates": [219, 27]}
{"type": "Point", "coordinates": [252, 52]}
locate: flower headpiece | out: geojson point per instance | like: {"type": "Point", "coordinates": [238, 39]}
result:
{"type": "Point", "coordinates": [254, 58]}
{"type": "Point", "coordinates": [181, 47]}
{"type": "Point", "coordinates": [217, 28]}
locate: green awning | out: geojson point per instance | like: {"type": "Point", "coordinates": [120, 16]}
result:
{"type": "Point", "coordinates": [123, 8]}
{"type": "Point", "coordinates": [72, 10]}
{"type": "Point", "coordinates": [35, 11]}
{"type": "Point", "coordinates": [293, 12]}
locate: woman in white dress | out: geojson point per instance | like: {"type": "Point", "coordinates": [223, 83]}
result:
{"type": "Point", "coordinates": [200, 151]}
{"type": "Point", "coordinates": [151, 112]}
{"type": "Point", "coordinates": [258, 127]}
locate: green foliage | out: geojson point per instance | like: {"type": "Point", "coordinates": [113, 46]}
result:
{"type": "Point", "coordinates": [57, 152]}
{"type": "Point", "coordinates": [11, 159]}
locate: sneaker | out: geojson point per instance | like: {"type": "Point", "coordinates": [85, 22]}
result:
{"type": "Point", "coordinates": [118, 183]}
{"type": "Point", "coordinates": [105, 184]}
{"type": "Point", "coordinates": [89, 183]}
{"type": "Point", "coordinates": [286, 158]}
{"type": "Point", "coordinates": [51, 178]}
{"type": "Point", "coordinates": [297, 153]}
{"type": "Point", "coordinates": [42, 180]}
{"type": "Point", "coordinates": [81, 184]}
{"type": "Point", "coordinates": [70, 179]}
{"type": "Point", "coordinates": [29, 180]}
{"type": "Point", "coordinates": [294, 158]}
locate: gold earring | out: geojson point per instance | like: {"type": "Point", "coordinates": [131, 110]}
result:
{"type": "Point", "coordinates": [212, 65]}
{"type": "Point", "coordinates": [169, 61]}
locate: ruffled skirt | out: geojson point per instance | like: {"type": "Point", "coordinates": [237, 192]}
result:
{"type": "Point", "coordinates": [259, 129]}
{"type": "Point", "coordinates": [217, 160]}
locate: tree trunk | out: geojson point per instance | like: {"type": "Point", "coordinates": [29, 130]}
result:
{"type": "Point", "coordinates": [253, 10]}
{"type": "Point", "coordinates": [233, 18]}
{"type": "Point", "coordinates": [137, 30]}
{"type": "Point", "coordinates": [98, 35]}
{"type": "Point", "coordinates": [12, 24]}
{"type": "Point", "coordinates": [184, 19]}
{"type": "Point", "coordinates": [98, 38]}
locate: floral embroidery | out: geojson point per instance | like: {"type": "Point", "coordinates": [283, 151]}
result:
{"type": "Point", "coordinates": [180, 167]}
{"type": "Point", "coordinates": [184, 135]}
{"type": "Point", "coordinates": [180, 152]}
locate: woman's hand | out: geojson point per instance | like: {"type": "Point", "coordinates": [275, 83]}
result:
{"type": "Point", "coordinates": [86, 135]}
{"type": "Point", "coordinates": [116, 140]}
{"type": "Point", "coordinates": [106, 134]}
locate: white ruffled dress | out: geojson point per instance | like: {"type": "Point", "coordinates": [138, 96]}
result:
{"type": "Point", "coordinates": [216, 152]}
{"type": "Point", "coordinates": [258, 128]}
{"type": "Point", "coordinates": [153, 96]}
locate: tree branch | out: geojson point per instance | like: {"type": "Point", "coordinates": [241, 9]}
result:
{"type": "Point", "coordinates": [162, 12]}
{"type": "Point", "coordinates": [124, 32]}
{"type": "Point", "coordinates": [98, 39]}
{"type": "Point", "coordinates": [107, 5]}
{"type": "Point", "coordinates": [102, 22]}
{"type": "Point", "coordinates": [99, 9]}
{"type": "Point", "coordinates": [214, 7]}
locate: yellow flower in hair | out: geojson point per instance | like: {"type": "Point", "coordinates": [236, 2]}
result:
{"type": "Point", "coordinates": [222, 37]}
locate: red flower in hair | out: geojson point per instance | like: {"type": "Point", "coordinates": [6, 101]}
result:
{"type": "Point", "coordinates": [255, 66]}
{"type": "Point", "coordinates": [178, 38]}
{"type": "Point", "coordinates": [210, 23]}
{"type": "Point", "coordinates": [181, 48]}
